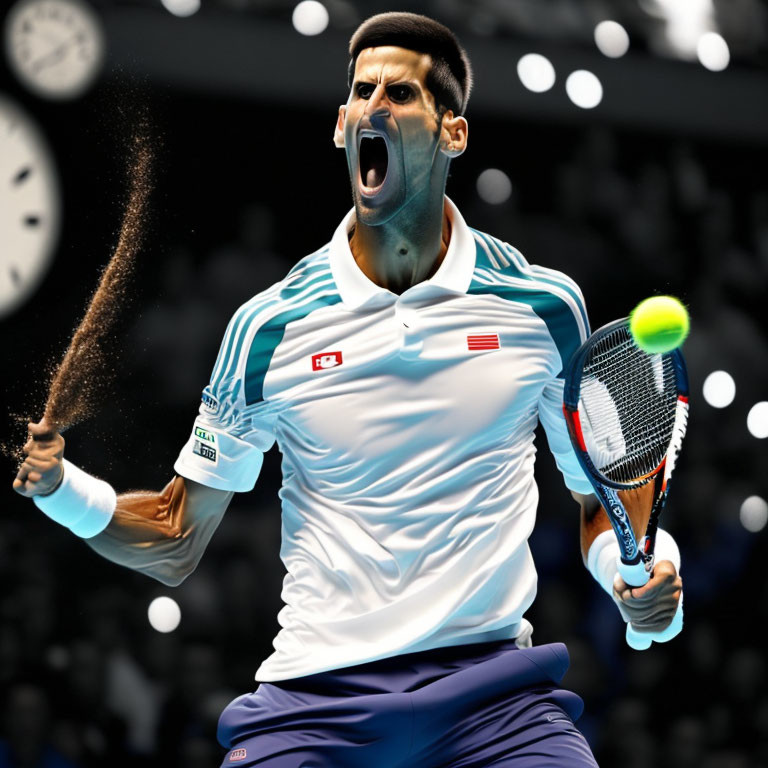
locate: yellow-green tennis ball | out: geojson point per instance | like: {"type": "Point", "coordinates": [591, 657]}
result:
{"type": "Point", "coordinates": [659, 324]}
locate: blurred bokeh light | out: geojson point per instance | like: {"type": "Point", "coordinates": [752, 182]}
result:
{"type": "Point", "coordinates": [584, 89]}
{"type": "Point", "coordinates": [181, 7]}
{"type": "Point", "coordinates": [310, 17]}
{"type": "Point", "coordinates": [611, 39]}
{"type": "Point", "coordinates": [536, 72]}
{"type": "Point", "coordinates": [754, 514]}
{"type": "Point", "coordinates": [164, 614]}
{"type": "Point", "coordinates": [713, 52]}
{"type": "Point", "coordinates": [757, 420]}
{"type": "Point", "coordinates": [719, 389]}
{"type": "Point", "coordinates": [494, 186]}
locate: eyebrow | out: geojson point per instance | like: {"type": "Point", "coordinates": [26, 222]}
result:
{"type": "Point", "coordinates": [400, 81]}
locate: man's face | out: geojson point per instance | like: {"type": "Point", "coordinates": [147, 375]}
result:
{"type": "Point", "coordinates": [391, 131]}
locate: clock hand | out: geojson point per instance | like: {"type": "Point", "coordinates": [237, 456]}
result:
{"type": "Point", "coordinates": [54, 56]}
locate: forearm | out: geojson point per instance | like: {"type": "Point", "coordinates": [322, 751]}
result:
{"type": "Point", "coordinates": [161, 534]}
{"type": "Point", "coordinates": [594, 519]}
{"type": "Point", "coordinates": [154, 533]}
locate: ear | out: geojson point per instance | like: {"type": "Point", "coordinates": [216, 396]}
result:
{"type": "Point", "coordinates": [453, 134]}
{"type": "Point", "coordinates": [338, 133]}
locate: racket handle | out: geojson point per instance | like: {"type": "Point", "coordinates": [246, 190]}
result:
{"type": "Point", "coordinates": [641, 641]}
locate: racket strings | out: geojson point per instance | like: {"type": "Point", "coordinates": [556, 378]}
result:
{"type": "Point", "coordinates": [629, 399]}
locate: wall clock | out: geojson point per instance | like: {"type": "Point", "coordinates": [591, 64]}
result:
{"type": "Point", "coordinates": [54, 47]}
{"type": "Point", "coordinates": [29, 206]}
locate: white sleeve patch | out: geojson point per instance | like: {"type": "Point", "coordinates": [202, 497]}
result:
{"type": "Point", "coordinates": [219, 460]}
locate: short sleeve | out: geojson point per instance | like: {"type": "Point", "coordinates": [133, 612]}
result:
{"type": "Point", "coordinates": [226, 447]}
{"type": "Point", "coordinates": [553, 421]}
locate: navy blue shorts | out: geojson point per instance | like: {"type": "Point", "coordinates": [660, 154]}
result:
{"type": "Point", "coordinates": [469, 706]}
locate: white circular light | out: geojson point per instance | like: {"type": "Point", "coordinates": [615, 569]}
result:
{"type": "Point", "coordinates": [757, 420]}
{"type": "Point", "coordinates": [494, 186]}
{"type": "Point", "coordinates": [584, 89]}
{"type": "Point", "coordinates": [719, 389]}
{"type": "Point", "coordinates": [181, 7]}
{"type": "Point", "coordinates": [754, 514]}
{"type": "Point", "coordinates": [164, 614]}
{"type": "Point", "coordinates": [713, 52]}
{"type": "Point", "coordinates": [536, 72]}
{"type": "Point", "coordinates": [310, 17]}
{"type": "Point", "coordinates": [611, 39]}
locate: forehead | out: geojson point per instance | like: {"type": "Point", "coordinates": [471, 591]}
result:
{"type": "Point", "coordinates": [390, 62]}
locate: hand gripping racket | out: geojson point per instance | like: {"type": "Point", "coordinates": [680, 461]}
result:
{"type": "Point", "coordinates": [627, 413]}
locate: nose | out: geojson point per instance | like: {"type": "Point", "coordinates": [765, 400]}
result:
{"type": "Point", "coordinates": [377, 109]}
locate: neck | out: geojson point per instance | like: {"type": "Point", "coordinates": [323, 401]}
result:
{"type": "Point", "coordinates": [407, 249]}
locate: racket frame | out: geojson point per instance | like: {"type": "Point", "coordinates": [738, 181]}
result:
{"type": "Point", "coordinates": [636, 560]}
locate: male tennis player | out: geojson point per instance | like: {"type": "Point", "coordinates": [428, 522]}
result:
{"type": "Point", "coordinates": [402, 369]}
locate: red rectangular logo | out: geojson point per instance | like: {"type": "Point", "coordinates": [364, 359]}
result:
{"type": "Point", "coordinates": [477, 341]}
{"type": "Point", "coordinates": [326, 360]}
{"type": "Point", "coordinates": [237, 754]}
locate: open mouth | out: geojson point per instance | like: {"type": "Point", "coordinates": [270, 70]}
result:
{"type": "Point", "coordinates": [373, 160]}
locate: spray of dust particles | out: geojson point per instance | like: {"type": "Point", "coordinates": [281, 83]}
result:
{"type": "Point", "coordinates": [80, 375]}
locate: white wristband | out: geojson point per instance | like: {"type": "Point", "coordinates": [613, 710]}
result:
{"type": "Point", "coordinates": [602, 560]}
{"type": "Point", "coordinates": [666, 549]}
{"type": "Point", "coordinates": [82, 503]}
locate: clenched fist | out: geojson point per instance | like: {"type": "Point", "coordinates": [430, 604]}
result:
{"type": "Point", "coordinates": [651, 607]}
{"type": "Point", "coordinates": [42, 469]}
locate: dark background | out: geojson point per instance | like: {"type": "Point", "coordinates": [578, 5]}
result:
{"type": "Point", "coordinates": [660, 189]}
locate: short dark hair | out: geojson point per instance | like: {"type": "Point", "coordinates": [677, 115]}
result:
{"type": "Point", "coordinates": [450, 78]}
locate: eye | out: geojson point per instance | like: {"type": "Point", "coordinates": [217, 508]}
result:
{"type": "Point", "coordinates": [400, 93]}
{"type": "Point", "coordinates": [364, 90]}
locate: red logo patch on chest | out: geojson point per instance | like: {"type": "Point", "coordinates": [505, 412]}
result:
{"type": "Point", "coordinates": [237, 754]}
{"type": "Point", "coordinates": [326, 360]}
{"type": "Point", "coordinates": [476, 341]}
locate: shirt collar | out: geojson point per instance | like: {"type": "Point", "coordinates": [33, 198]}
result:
{"type": "Point", "coordinates": [453, 275]}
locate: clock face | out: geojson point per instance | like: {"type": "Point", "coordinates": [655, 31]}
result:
{"type": "Point", "coordinates": [29, 207]}
{"type": "Point", "coordinates": [55, 47]}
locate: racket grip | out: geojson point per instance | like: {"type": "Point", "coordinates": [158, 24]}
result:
{"type": "Point", "coordinates": [634, 574]}
{"type": "Point", "coordinates": [641, 641]}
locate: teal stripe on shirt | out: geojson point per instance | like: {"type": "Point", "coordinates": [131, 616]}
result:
{"type": "Point", "coordinates": [313, 283]}
{"type": "Point", "coordinates": [255, 305]}
{"type": "Point", "coordinates": [544, 274]}
{"type": "Point", "coordinates": [268, 337]}
{"type": "Point", "coordinates": [239, 321]}
{"type": "Point", "coordinates": [306, 268]}
{"type": "Point", "coordinates": [519, 267]}
{"type": "Point", "coordinates": [481, 255]}
{"type": "Point", "coordinates": [553, 310]}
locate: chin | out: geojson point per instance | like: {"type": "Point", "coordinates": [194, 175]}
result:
{"type": "Point", "coordinates": [379, 208]}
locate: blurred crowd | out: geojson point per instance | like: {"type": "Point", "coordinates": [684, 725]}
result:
{"type": "Point", "coordinates": [87, 682]}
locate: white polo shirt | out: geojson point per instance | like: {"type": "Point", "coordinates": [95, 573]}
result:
{"type": "Point", "coordinates": [406, 426]}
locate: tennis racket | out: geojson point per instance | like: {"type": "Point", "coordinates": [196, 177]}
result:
{"type": "Point", "coordinates": [627, 412]}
